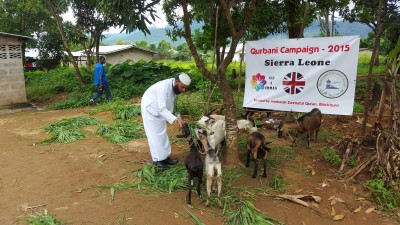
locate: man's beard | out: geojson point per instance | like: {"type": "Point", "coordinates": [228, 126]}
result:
{"type": "Point", "coordinates": [176, 89]}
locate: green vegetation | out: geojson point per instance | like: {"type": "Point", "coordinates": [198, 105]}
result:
{"type": "Point", "coordinates": [65, 130]}
{"type": "Point", "coordinates": [151, 180]}
{"type": "Point", "coordinates": [121, 132]}
{"type": "Point", "coordinates": [330, 156]}
{"type": "Point", "coordinates": [126, 112]}
{"type": "Point", "coordinates": [277, 183]}
{"type": "Point", "coordinates": [363, 64]}
{"type": "Point", "coordinates": [73, 123]}
{"type": "Point", "coordinates": [245, 213]}
{"type": "Point", "coordinates": [385, 197]}
{"type": "Point", "coordinates": [358, 108]}
{"type": "Point", "coordinates": [44, 219]}
{"type": "Point", "coordinates": [326, 135]}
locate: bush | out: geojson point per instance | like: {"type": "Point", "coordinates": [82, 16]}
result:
{"type": "Point", "coordinates": [330, 156]}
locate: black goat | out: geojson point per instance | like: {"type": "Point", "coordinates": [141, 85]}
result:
{"type": "Point", "coordinates": [193, 163]}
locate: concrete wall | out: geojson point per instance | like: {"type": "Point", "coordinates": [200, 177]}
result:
{"type": "Point", "coordinates": [132, 54]}
{"type": "Point", "coordinates": [12, 81]}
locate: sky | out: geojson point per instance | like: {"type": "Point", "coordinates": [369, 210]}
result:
{"type": "Point", "coordinates": [159, 23]}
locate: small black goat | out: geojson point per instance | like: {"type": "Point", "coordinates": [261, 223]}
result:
{"type": "Point", "coordinates": [193, 163]}
{"type": "Point", "coordinates": [307, 123]}
{"type": "Point", "coordinates": [257, 147]}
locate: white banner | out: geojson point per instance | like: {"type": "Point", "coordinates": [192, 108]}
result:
{"type": "Point", "coordinates": [301, 74]}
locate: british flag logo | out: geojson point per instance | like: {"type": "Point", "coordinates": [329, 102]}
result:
{"type": "Point", "coordinates": [293, 83]}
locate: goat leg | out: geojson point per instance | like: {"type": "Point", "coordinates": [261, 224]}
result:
{"type": "Point", "coordinates": [209, 183]}
{"type": "Point", "coordinates": [189, 195]}
{"type": "Point", "coordinates": [248, 157]}
{"type": "Point", "coordinates": [255, 168]}
{"type": "Point", "coordinates": [291, 138]}
{"type": "Point", "coordinates": [265, 168]}
{"type": "Point", "coordinates": [199, 181]}
{"type": "Point", "coordinates": [316, 135]}
{"type": "Point", "coordinates": [219, 182]}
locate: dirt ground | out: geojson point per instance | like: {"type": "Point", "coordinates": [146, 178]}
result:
{"type": "Point", "coordinates": [57, 177]}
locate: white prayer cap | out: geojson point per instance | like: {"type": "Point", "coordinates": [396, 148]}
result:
{"type": "Point", "coordinates": [184, 78]}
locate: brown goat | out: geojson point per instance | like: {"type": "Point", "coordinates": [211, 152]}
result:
{"type": "Point", "coordinates": [257, 148]}
{"type": "Point", "coordinates": [307, 123]}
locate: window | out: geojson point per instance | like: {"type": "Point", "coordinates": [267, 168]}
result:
{"type": "Point", "coordinates": [10, 52]}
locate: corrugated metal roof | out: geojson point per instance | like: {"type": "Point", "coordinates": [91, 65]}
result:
{"type": "Point", "coordinates": [15, 35]}
{"type": "Point", "coordinates": [104, 50]}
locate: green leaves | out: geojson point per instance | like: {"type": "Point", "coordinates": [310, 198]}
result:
{"type": "Point", "coordinates": [121, 132]}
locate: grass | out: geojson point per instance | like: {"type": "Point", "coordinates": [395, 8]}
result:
{"type": "Point", "coordinates": [73, 123]}
{"type": "Point", "coordinates": [126, 112]}
{"type": "Point", "coordinates": [121, 132]}
{"type": "Point", "coordinates": [63, 135]}
{"type": "Point", "coordinates": [108, 106]}
{"type": "Point", "coordinates": [330, 156]}
{"type": "Point", "coordinates": [358, 108]}
{"type": "Point", "coordinates": [245, 213]}
{"type": "Point", "coordinates": [385, 197]}
{"type": "Point", "coordinates": [65, 130]}
{"type": "Point", "coordinates": [44, 219]}
{"type": "Point", "coordinates": [277, 183]}
{"type": "Point", "coordinates": [363, 64]}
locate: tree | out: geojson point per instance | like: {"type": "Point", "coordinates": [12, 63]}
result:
{"type": "Point", "coordinates": [56, 8]}
{"type": "Point", "coordinates": [141, 44]}
{"type": "Point", "coordinates": [236, 17]}
{"type": "Point", "coordinates": [366, 11]}
{"type": "Point", "coordinates": [130, 14]}
{"type": "Point", "coordinates": [164, 47]}
{"type": "Point", "coordinates": [153, 47]}
{"type": "Point", "coordinates": [121, 42]}
{"type": "Point", "coordinates": [183, 53]}
{"type": "Point", "coordinates": [23, 17]}
{"type": "Point", "coordinates": [50, 46]}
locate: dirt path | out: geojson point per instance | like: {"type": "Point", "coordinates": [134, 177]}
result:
{"type": "Point", "coordinates": [57, 176]}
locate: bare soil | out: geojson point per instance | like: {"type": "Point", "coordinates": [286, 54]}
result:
{"type": "Point", "coordinates": [57, 177]}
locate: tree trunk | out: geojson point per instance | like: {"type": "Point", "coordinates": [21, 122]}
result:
{"type": "Point", "coordinates": [56, 15]}
{"type": "Point", "coordinates": [326, 22]}
{"type": "Point", "coordinates": [371, 65]}
{"type": "Point", "coordinates": [305, 18]}
{"type": "Point", "coordinates": [240, 67]}
{"type": "Point", "coordinates": [294, 26]}
{"type": "Point", "coordinates": [231, 156]}
{"type": "Point", "coordinates": [381, 107]}
{"type": "Point", "coordinates": [333, 22]}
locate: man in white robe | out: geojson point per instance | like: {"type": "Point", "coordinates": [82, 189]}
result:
{"type": "Point", "coordinates": [157, 107]}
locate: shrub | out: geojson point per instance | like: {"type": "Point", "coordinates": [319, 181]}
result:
{"type": "Point", "coordinates": [330, 156]}
{"type": "Point", "coordinates": [386, 198]}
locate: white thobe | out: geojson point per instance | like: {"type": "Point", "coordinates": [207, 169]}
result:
{"type": "Point", "coordinates": [157, 107]}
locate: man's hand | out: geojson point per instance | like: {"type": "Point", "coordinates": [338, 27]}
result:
{"type": "Point", "coordinates": [180, 122]}
{"type": "Point", "coordinates": [101, 86]}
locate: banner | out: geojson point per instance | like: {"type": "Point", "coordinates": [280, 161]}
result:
{"type": "Point", "coordinates": [301, 74]}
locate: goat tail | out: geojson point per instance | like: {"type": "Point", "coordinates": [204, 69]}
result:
{"type": "Point", "coordinates": [264, 146]}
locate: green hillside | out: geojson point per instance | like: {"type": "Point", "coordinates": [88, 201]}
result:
{"type": "Point", "coordinates": [159, 34]}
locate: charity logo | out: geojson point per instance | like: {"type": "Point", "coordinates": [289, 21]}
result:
{"type": "Point", "coordinates": [293, 83]}
{"type": "Point", "coordinates": [332, 84]}
{"type": "Point", "coordinates": [258, 81]}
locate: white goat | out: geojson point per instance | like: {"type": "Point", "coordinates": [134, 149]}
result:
{"type": "Point", "coordinates": [213, 168]}
{"type": "Point", "coordinates": [216, 124]}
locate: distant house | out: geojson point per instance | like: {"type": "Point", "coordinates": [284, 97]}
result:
{"type": "Point", "coordinates": [12, 82]}
{"type": "Point", "coordinates": [120, 53]}
{"type": "Point", "coordinates": [238, 52]}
